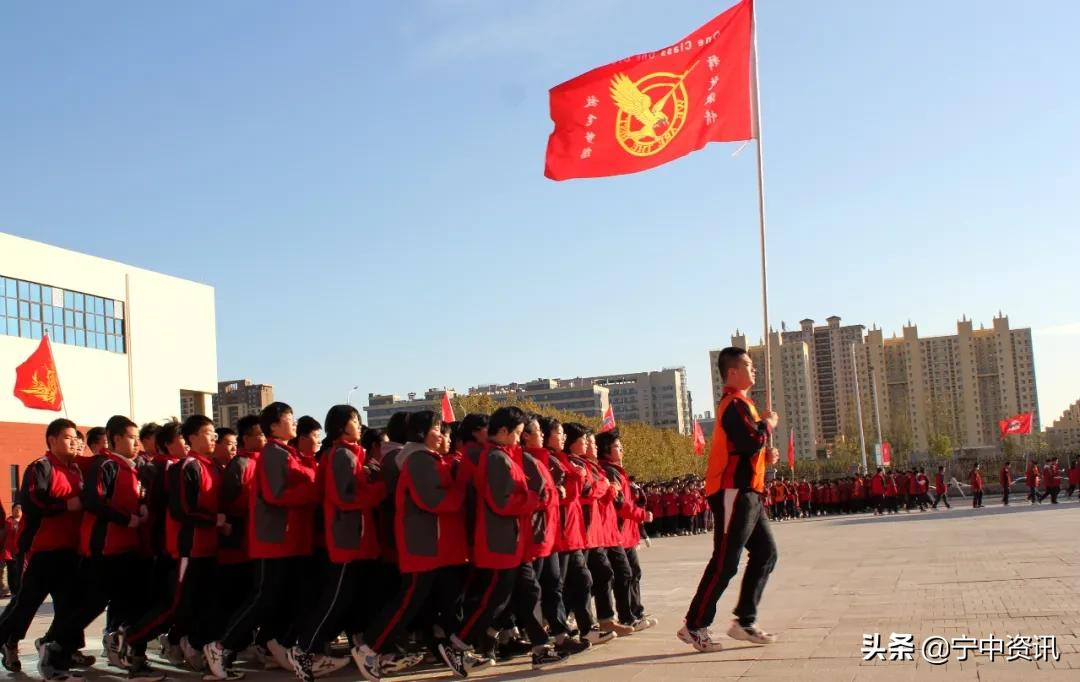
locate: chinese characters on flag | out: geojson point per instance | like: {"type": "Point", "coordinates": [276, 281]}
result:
{"type": "Point", "coordinates": [699, 439]}
{"type": "Point", "coordinates": [36, 382]}
{"type": "Point", "coordinates": [643, 111]}
{"type": "Point", "coordinates": [1020, 425]}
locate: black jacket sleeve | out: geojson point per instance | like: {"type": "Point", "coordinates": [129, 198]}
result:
{"type": "Point", "coordinates": [746, 436]}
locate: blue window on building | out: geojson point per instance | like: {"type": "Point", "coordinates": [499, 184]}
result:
{"type": "Point", "coordinates": [31, 310]}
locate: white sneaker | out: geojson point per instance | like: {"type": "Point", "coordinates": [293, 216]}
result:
{"type": "Point", "coordinates": [110, 646]}
{"type": "Point", "coordinates": [367, 661]}
{"type": "Point", "coordinates": [595, 637]}
{"type": "Point", "coordinates": [700, 639]}
{"type": "Point", "coordinates": [328, 665]}
{"type": "Point", "coordinates": [279, 654]}
{"type": "Point", "coordinates": [194, 658]}
{"type": "Point", "coordinates": [214, 655]}
{"type": "Point", "coordinates": [644, 624]}
{"type": "Point", "coordinates": [750, 633]}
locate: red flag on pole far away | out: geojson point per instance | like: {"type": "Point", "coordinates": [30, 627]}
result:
{"type": "Point", "coordinates": [699, 439]}
{"type": "Point", "coordinates": [886, 453]}
{"type": "Point", "coordinates": [643, 111]}
{"type": "Point", "coordinates": [1020, 425]}
{"type": "Point", "coordinates": [791, 449]}
{"type": "Point", "coordinates": [447, 409]}
{"type": "Point", "coordinates": [608, 423]}
{"type": "Point", "coordinates": [36, 382]}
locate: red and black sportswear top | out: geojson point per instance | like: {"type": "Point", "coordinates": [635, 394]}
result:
{"type": "Point", "coordinates": [48, 484]}
{"type": "Point", "coordinates": [111, 495]}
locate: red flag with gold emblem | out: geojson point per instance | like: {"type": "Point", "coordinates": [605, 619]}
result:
{"type": "Point", "coordinates": [36, 382]}
{"type": "Point", "coordinates": [643, 111]}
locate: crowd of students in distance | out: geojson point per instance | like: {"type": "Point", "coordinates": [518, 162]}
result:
{"type": "Point", "coordinates": [460, 544]}
{"type": "Point", "coordinates": [888, 491]}
{"type": "Point", "coordinates": [678, 507]}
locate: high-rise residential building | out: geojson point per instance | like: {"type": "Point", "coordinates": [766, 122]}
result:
{"type": "Point", "coordinates": [238, 398]}
{"type": "Point", "coordinates": [1064, 433]}
{"type": "Point", "coordinates": [957, 386]}
{"type": "Point", "coordinates": [582, 397]}
{"type": "Point", "coordinates": [792, 390]}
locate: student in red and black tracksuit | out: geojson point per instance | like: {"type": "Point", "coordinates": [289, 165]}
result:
{"type": "Point", "coordinates": [280, 514]}
{"type": "Point", "coordinates": [1031, 477]}
{"type": "Point", "coordinates": [504, 505]}
{"type": "Point", "coordinates": [735, 483]}
{"type": "Point", "coordinates": [49, 541]}
{"type": "Point", "coordinates": [629, 517]}
{"type": "Point", "coordinates": [1005, 479]}
{"type": "Point", "coordinates": [941, 492]}
{"type": "Point", "coordinates": [572, 542]}
{"type": "Point", "coordinates": [12, 559]}
{"type": "Point", "coordinates": [431, 543]}
{"type": "Point", "coordinates": [191, 538]}
{"type": "Point", "coordinates": [112, 573]}
{"type": "Point", "coordinates": [543, 438]}
{"type": "Point", "coordinates": [670, 500]}
{"type": "Point", "coordinates": [1052, 480]}
{"type": "Point", "coordinates": [976, 480]}
{"type": "Point", "coordinates": [234, 568]}
{"type": "Point", "coordinates": [617, 617]}
{"type": "Point", "coordinates": [351, 494]}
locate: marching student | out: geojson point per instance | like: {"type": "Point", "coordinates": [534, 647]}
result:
{"type": "Point", "coordinates": [976, 480]}
{"type": "Point", "coordinates": [735, 483]}
{"type": "Point", "coordinates": [234, 566]}
{"type": "Point", "coordinates": [191, 537]}
{"type": "Point", "coordinates": [941, 492]}
{"type": "Point", "coordinates": [1052, 480]}
{"type": "Point", "coordinates": [148, 441]}
{"type": "Point", "coordinates": [504, 503]}
{"type": "Point", "coordinates": [283, 498]}
{"type": "Point", "coordinates": [1005, 478]}
{"type": "Point", "coordinates": [1074, 479]}
{"type": "Point", "coordinates": [49, 540]}
{"type": "Point", "coordinates": [630, 516]}
{"type": "Point", "coordinates": [112, 574]}
{"type": "Point", "coordinates": [1031, 477]}
{"type": "Point", "coordinates": [431, 546]}
{"type": "Point", "coordinates": [608, 555]}
{"type": "Point", "coordinates": [922, 485]}
{"type": "Point", "coordinates": [350, 497]}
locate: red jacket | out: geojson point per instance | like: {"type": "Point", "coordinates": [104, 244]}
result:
{"type": "Point", "coordinates": [237, 482]}
{"type": "Point", "coordinates": [1074, 475]}
{"type": "Point", "coordinates": [1005, 477]}
{"type": "Point", "coordinates": [111, 495]}
{"type": "Point", "coordinates": [890, 486]}
{"type": "Point", "coordinates": [191, 529]}
{"type": "Point", "coordinates": [670, 502]}
{"type": "Point", "coordinates": [976, 480]}
{"type": "Point", "coordinates": [877, 485]}
{"type": "Point", "coordinates": [1052, 476]}
{"type": "Point", "coordinates": [939, 483]}
{"type": "Point", "coordinates": [47, 486]}
{"type": "Point", "coordinates": [429, 533]}
{"type": "Point", "coordinates": [572, 536]}
{"type": "Point", "coordinates": [804, 492]}
{"type": "Point", "coordinates": [349, 501]}
{"type": "Point", "coordinates": [630, 516]}
{"type": "Point", "coordinates": [594, 489]}
{"type": "Point", "coordinates": [504, 508]}
{"type": "Point", "coordinates": [282, 502]}
{"type": "Point", "coordinates": [545, 522]}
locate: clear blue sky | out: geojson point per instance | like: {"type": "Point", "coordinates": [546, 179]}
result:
{"type": "Point", "coordinates": [362, 182]}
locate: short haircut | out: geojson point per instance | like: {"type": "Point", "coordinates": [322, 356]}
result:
{"type": "Point", "coordinates": [307, 425]}
{"type": "Point", "coordinates": [369, 438]}
{"type": "Point", "coordinates": [574, 433]}
{"type": "Point", "coordinates": [116, 426]}
{"type": "Point", "coordinates": [420, 423]}
{"type": "Point", "coordinates": [548, 425]}
{"type": "Point", "coordinates": [727, 359]}
{"type": "Point", "coordinates": [246, 423]}
{"type": "Point", "coordinates": [148, 430]}
{"type": "Point", "coordinates": [508, 417]}
{"type": "Point", "coordinates": [272, 414]}
{"type": "Point", "coordinates": [192, 425]}
{"type": "Point", "coordinates": [397, 429]}
{"type": "Point", "coordinates": [56, 426]}
{"type": "Point", "coordinates": [605, 442]}
{"type": "Point", "coordinates": [166, 434]}
{"type": "Point", "coordinates": [94, 435]}
{"type": "Point", "coordinates": [223, 431]}
{"type": "Point", "coordinates": [470, 424]}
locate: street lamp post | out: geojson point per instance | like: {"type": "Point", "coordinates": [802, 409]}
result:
{"type": "Point", "coordinates": [348, 396]}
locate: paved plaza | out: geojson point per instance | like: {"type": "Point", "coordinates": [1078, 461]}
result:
{"type": "Point", "coordinates": [997, 571]}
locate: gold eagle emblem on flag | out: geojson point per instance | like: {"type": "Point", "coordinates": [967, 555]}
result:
{"type": "Point", "coordinates": [644, 127]}
{"type": "Point", "coordinates": [43, 390]}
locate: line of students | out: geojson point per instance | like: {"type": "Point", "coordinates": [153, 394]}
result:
{"type": "Point", "coordinates": [678, 507]}
{"type": "Point", "coordinates": [469, 541]}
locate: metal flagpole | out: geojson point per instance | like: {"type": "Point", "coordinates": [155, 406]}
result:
{"type": "Point", "coordinates": [858, 407]}
{"type": "Point", "coordinates": [761, 216]}
{"type": "Point", "coordinates": [877, 411]}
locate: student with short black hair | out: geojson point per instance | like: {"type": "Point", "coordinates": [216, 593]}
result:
{"type": "Point", "coordinates": [148, 440]}
{"type": "Point", "coordinates": [431, 546]}
{"type": "Point", "coordinates": [279, 541]}
{"type": "Point", "coordinates": [50, 541]}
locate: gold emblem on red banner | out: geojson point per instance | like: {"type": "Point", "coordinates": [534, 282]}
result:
{"type": "Point", "coordinates": [644, 127]}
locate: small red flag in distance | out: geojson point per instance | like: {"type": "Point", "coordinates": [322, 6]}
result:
{"type": "Point", "coordinates": [447, 409]}
{"type": "Point", "coordinates": [36, 382]}
{"type": "Point", "coordinates": [608, 423]}
{"type": "Point", "coordinates": [643, 111]}
{"type": "Point", "coordinates": [791, 449]}
{"type": "Point", "coordinates": [699, 439]}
